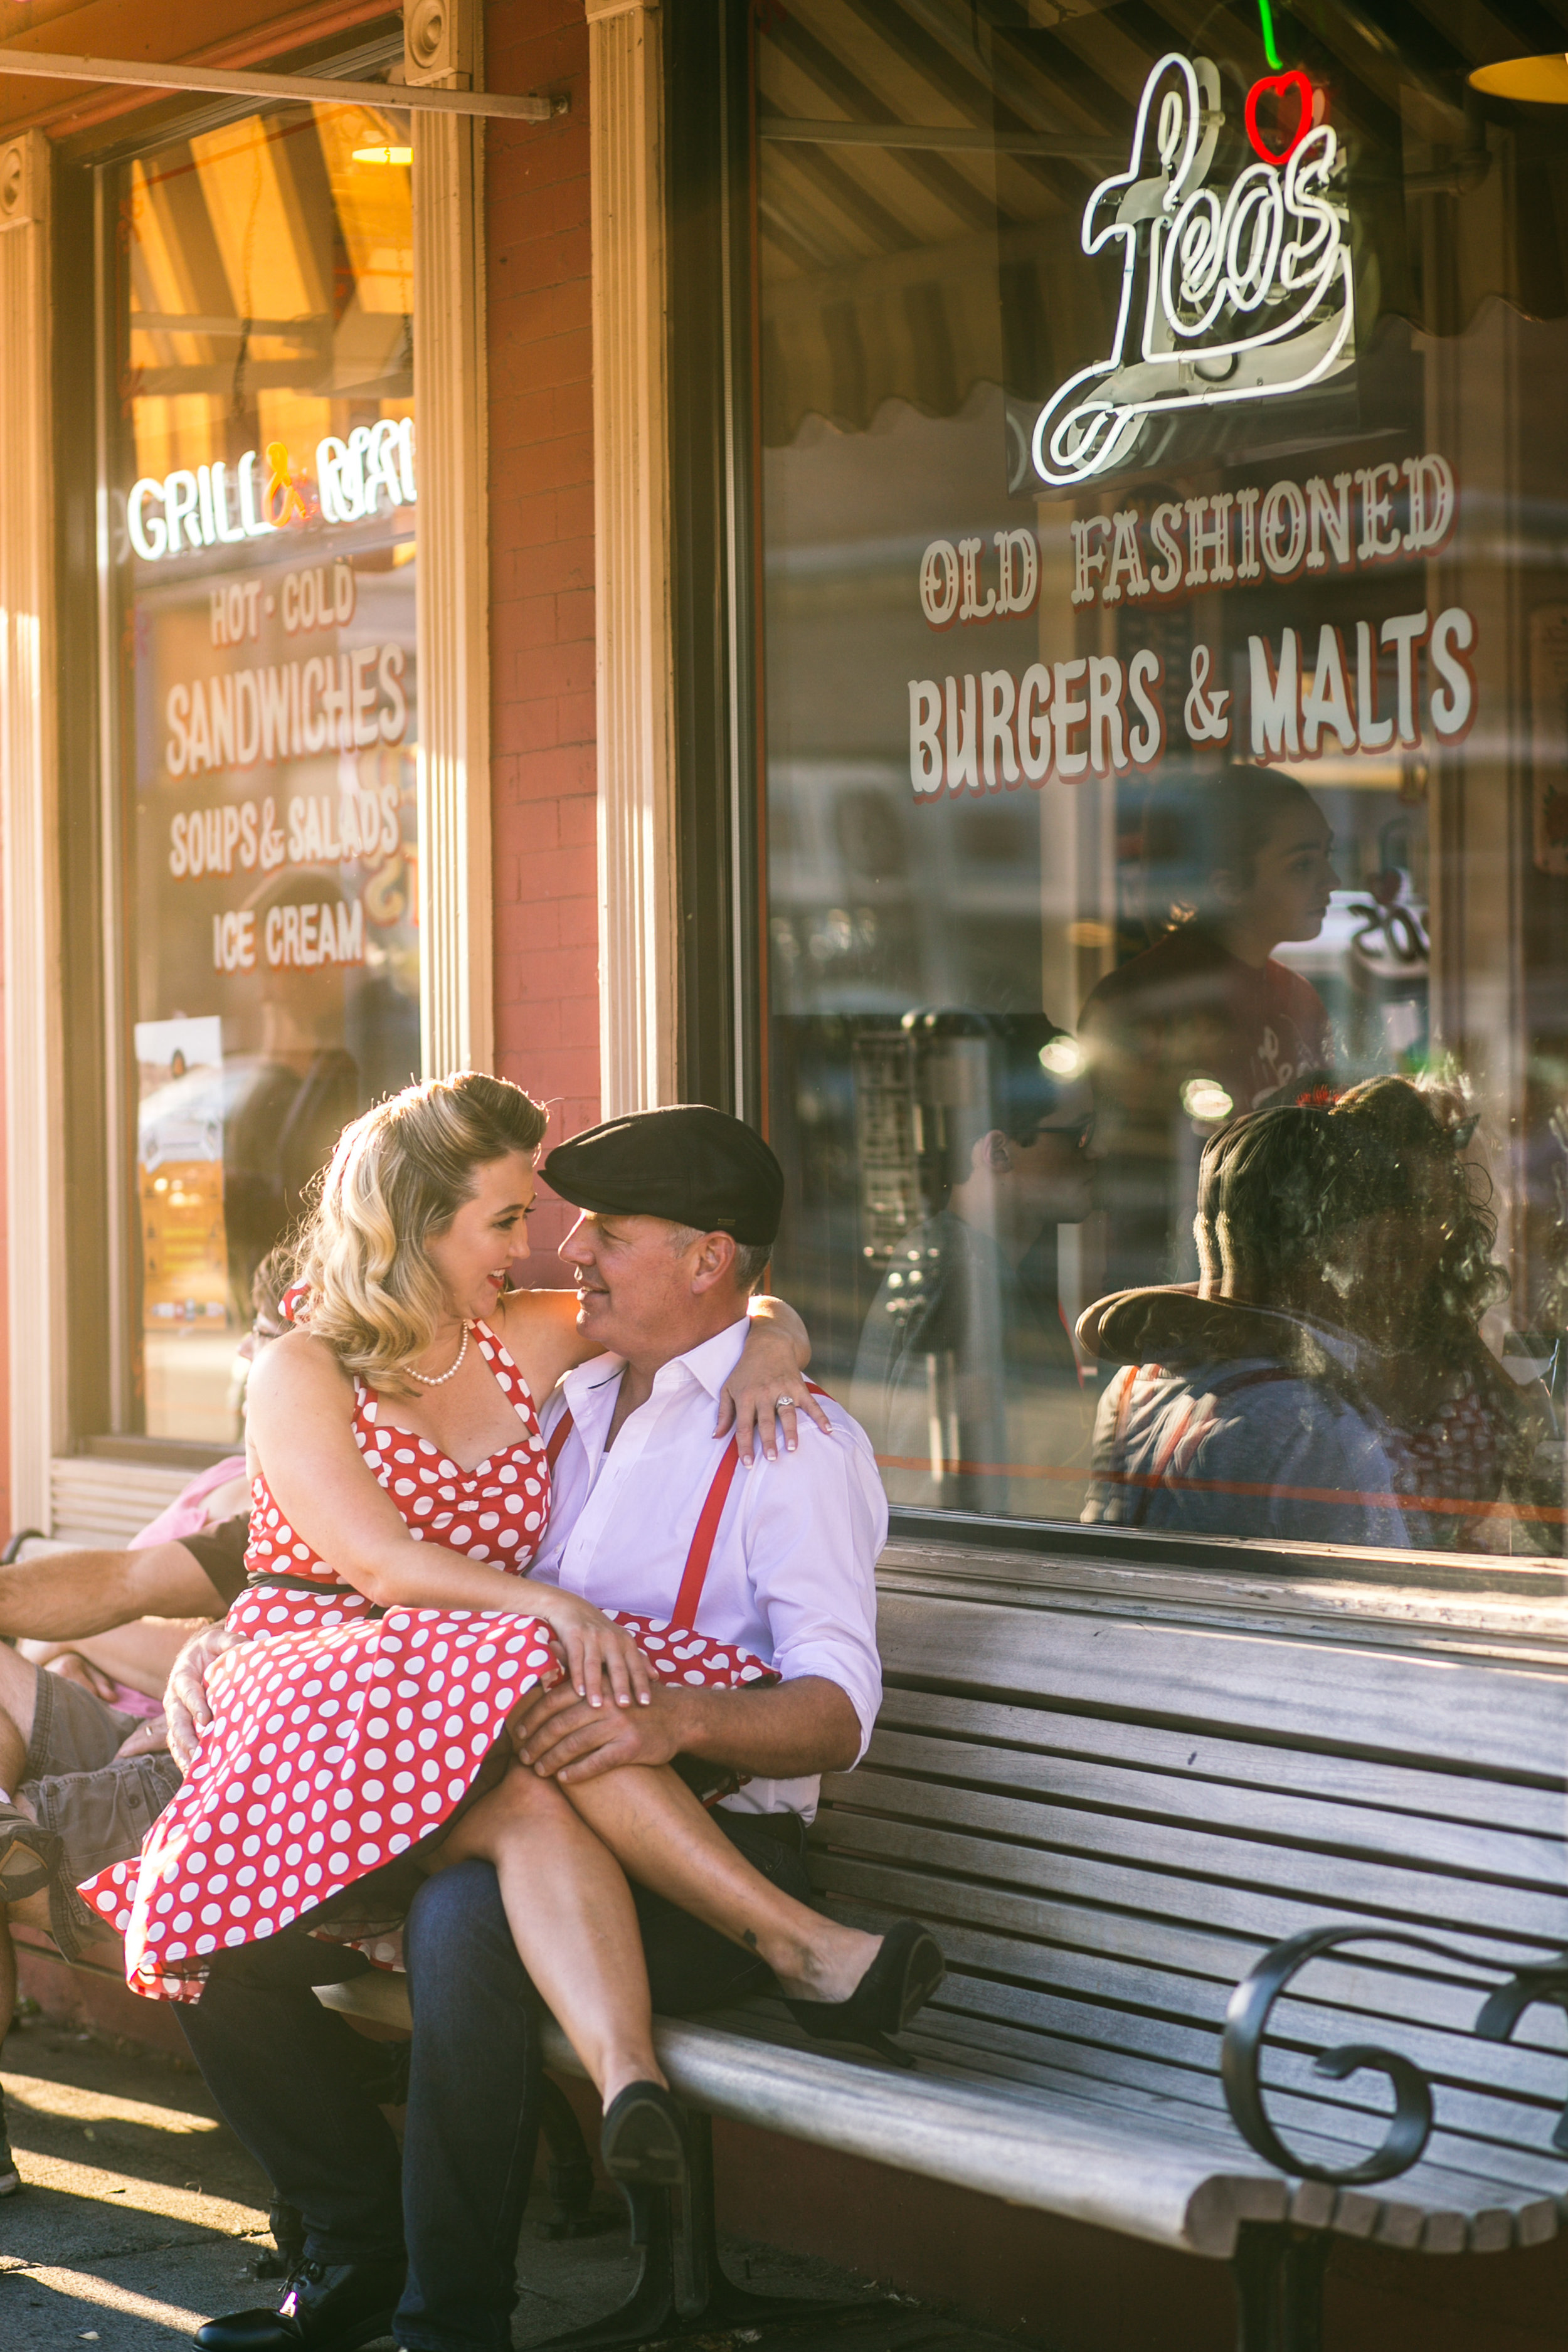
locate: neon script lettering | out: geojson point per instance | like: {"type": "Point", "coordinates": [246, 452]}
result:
{"type": "Point", "coordinates": [1246, 295]}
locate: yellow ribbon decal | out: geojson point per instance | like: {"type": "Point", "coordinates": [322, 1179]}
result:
{"type": "Point", "coordinates": [282, 480]}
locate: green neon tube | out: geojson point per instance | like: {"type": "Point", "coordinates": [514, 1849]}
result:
{"type": "Point", "coordinates": [1269, 50]}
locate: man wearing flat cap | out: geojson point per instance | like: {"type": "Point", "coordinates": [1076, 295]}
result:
{"type": "Point", "coordinates": [649, 1514]}
{"type": "Point", "coordinates": [680, 1210]}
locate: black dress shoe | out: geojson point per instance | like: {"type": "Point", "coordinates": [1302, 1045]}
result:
{"type": "Point", "coordinates": [900, 1981]}
{"type": "Point", "coordinates": [333, 2307]}
{"type": "Point", "coordinates": [643, 2143]}
{"type": "Point", "coordinates": [642, 2147]}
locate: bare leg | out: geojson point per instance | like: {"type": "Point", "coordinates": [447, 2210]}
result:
{"type": "Point", "coordinates": [26, 1854]}
{"type": "Point", "coordinates": [18, 1706]}
{"type": "Point", "coordinates": [573, 1921]}
{"type": "Point", "coordinates": [13, 1749]}
{"type": "Point", "coordinates": [33, 1911]}
{"type": "Point", "coordinates": [662, 1837]}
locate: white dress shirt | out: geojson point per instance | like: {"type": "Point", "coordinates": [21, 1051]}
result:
{"type": "Point", "coordinates": [792, 1576]}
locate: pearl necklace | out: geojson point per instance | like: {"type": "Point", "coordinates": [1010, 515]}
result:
{"type": "Point", "coordinates": [439, 1380]}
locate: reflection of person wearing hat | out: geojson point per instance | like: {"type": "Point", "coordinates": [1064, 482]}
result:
{"type": "Point", "coordinates": [1235, 868]}
{"type": "Point", "coordinates": [966, 1366]}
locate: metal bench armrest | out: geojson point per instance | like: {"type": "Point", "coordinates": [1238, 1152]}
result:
{"type": "Point", "coordinates": [1501, 2012]}
{"type": "Point", "coordinates": [1410, 2126]}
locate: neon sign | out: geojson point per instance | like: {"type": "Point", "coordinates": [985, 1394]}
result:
{"type": "Point", "coordinates": [1306, 98]}
{"type": "Point", "coordinates": [1247, 295]}
{"type": "Point", "coordinates": [205, 507]}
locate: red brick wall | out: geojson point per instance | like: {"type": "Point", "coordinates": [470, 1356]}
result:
{"type": "Point", "coordinates": [541, 577]}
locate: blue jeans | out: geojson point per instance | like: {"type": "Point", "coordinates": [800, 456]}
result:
{"type": "Point", "coordinates": [291, 2082]}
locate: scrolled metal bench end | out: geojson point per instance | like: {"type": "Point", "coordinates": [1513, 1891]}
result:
{"type": "Point", "coordinates": [1246, 2020]}
{"type": "Point", "coordinates": [1502, 2010]}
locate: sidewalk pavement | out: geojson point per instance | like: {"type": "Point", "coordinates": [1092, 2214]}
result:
{"type": "Point", "coordinates": [141, 2214]}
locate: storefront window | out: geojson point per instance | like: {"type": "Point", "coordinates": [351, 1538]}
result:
{"type": "Point", "coordinates": [1166, 701]}
{"type": "Point", "coordinates": [263, 492]}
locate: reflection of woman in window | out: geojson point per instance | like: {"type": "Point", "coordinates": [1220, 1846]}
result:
{"type": "Point", "coordinates": [1408, 1239]}
{"type": "Point", "coordinates": [1241, 865]}
{"type": "Point", "coordinates": [1329, 1381]}
{"type": "Point", "coordinates": [292, 1097]}
{"type": "Point", "coordinates": [1240, 1411]}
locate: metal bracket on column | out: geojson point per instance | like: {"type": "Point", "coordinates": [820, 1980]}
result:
{"type": "Point", "coordinates": [213, 82]}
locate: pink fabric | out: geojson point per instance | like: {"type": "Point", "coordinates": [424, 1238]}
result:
{"type": "Point", "coordinates": [135, 1702]}
{"type": "Point", "coordinates": [186, 1515]}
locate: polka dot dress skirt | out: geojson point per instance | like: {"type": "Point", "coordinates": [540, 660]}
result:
{"type": "Point", "coordinates": [330, 1753]}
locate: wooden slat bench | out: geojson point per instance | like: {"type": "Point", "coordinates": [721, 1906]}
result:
{"type": "Point", "coordinates": [1111, 1786]}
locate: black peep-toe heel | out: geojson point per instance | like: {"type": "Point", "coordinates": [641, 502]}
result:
{"type": "Point", "coordinates": [899, 1981]}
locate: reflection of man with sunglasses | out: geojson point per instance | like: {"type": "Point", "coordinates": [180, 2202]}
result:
{"type": "Point", "coordinates": [966, 1364]}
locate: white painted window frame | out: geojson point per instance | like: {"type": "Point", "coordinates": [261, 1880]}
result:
{"type": "Point", "coordinates": [29, 825]}
{"type": "Point", "coordinates": [638, 985]}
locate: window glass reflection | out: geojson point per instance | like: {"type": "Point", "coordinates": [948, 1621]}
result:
{"type": "Point", "coordinates": [264, 488]}
{"type": "Point", "coordinates": [1166, 671]}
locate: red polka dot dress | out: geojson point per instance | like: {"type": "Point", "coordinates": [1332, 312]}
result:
{"type": "Point", "coordinates": [341, 1737]}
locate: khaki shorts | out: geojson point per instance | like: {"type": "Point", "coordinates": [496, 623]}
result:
{"type": "Point", "coordinates": [99, 1806]}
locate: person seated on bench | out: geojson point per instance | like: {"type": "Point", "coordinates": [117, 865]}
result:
{"type": "Point", "coordinates": [84, 1763]}
{"type": "Point", "coordinates": [1408, 1241]}
{"type": "Point", "coordinates": [84, 1768]}
{"type": "Point", "coordinates": [681, 1213]}
{"type": "Point", "coordinates": [1370, 1283]}
{"type": "Point", "coordinates": [1240, 1410]}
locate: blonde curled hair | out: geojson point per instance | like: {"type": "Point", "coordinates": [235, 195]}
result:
{"type": "Point", "coordinates": [397, 1178]}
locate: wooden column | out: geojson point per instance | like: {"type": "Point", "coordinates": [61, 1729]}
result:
{"type": "Point", "coordinates": [456, 986]}
{"type": "Point", "coordinates": [29, 878]}
{"type": "Point", "coordinates": [631, 474]}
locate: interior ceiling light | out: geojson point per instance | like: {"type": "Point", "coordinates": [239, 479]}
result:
{"type": "Point", "coordinates": [1539, 81]}
{"type": "Point", "coordinates": [383, 154]}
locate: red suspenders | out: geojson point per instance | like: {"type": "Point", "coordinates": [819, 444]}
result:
{"type": "Point", "coordinates": [695, 1574]}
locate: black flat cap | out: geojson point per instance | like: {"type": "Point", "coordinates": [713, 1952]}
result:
{"type": "Point", "coordinates": [694, 1165]}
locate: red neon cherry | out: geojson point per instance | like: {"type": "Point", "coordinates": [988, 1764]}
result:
{"type": "Point", "coordinates": [1277, 85]}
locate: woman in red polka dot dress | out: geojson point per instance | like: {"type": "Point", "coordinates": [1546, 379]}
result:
{"type": "Point", "coordinates": [400, 1493]}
